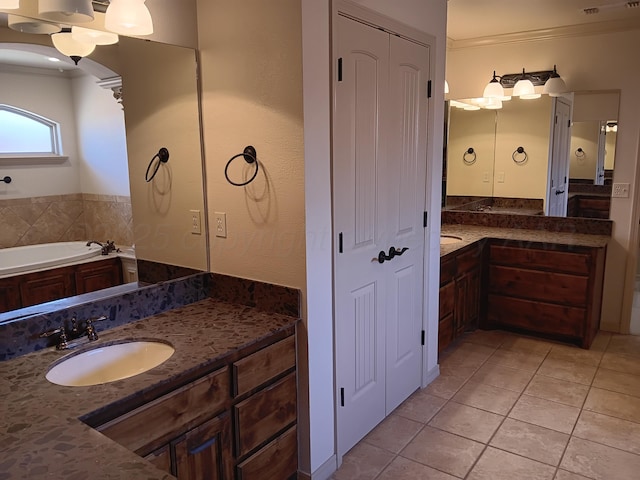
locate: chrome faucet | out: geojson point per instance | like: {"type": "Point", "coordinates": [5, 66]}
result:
{"type": "Point", "coordinates": [107, 247]}
{"type": "Point", "coordinates": [93, 241]}
{"type": "Point", "coordinates": [75, 333]}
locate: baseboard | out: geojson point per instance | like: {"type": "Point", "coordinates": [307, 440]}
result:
{"type": "Point", "coordinates": [431, 375]}
{"type": "Point", "coordinates": [324, 472]}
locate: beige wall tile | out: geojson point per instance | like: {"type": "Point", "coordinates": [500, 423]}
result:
{"type": "Point", "coordinates": [467, 421]}
{"type": "Point", "coordinates": [486, 397]}
{"type": "Point", "coordinates": [560, 391]}
{"type": "Point", "coordinates": [498, 465]}
{"type": "Point", "coordinates": [531, 441]}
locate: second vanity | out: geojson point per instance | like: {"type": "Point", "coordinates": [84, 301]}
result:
{"type": "Point", "coordinates": [222, 406]}
{"type": "Point", "coordinates": [534, 282]}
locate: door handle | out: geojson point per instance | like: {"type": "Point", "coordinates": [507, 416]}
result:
{"type": "Point", "coordinates": [559, 192]}
{"type": "Point", "coordinates": [393, 252]}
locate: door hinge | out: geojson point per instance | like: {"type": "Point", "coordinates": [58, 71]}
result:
{"type": "Point", "coordinates": [569, 123]}
{"type": "Point", "coordinates": [342, 397]}
{"type": "Point", "coordinates": [429, 89]}
{"type": "Point", "coordinates": [423, 337]}
{"type": "Point", "coordinates": [425, 219]}
{"type": "Point", "coordinates": [340, 69]}
{"type": "Point", "coordinates": [340, 242]}
{"type": "Point", "coordinates": [556, 122]}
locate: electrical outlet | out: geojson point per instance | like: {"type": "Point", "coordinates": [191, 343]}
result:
{"type": "Point", "coordinates": [220, 223]}
{"type": "Point", "coordinates": [620, 190]}
{"type": "Point", "coordinates": [485, 177]}
{"type": "Point", "coordinates": [500, 177]}
{"type": "Point", "coordinates": [194, 218]}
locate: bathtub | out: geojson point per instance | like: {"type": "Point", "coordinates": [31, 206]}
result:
{"type": "Point", "coordinates": [46, 255]}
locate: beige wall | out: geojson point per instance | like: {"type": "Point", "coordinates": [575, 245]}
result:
{"type": "Point", "coordinates": [581, 61]}
{"type": "Point", "coordinates": [252, 95]}
{"type": "Point", "coordinates": [584, 135]}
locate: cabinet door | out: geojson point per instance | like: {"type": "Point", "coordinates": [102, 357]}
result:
{"type": "Point", "coordinates": [98, 275]}
{"type": "Point", "coordinates": [9, 295]}
{"type": "Point", "coordinates": [161, 458]}
{"type": "Point", "coordinates": [47, 286]}
{"type": "Point", "coordinates": [204, 453]}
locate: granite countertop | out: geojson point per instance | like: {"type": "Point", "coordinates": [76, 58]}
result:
{"type": "Point", "coordinates": [472, 233]}
{"type": "Point", "coordinates": [41, 435]}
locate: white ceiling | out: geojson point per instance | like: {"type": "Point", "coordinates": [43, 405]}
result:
{"type": "Point", "coordinates": [471, 19]}
{"type": "Point", "coordinates": [23, 58]}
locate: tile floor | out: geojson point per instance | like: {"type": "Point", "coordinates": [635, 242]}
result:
{"type": "Point", "coordinates": [514, 408]}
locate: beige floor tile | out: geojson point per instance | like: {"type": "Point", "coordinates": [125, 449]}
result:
{"type": "Point", "coordinates": [627, 344]}
{"type": "Point", "coordinates": [443, 451]}
{"type": "Point", "coordinates": [498, 465]}
{"type": "Point", "coordinates": [464, 372]}
{"type": "Point", "coordinates": [545, 413]}
{"type": "Point", "coordinates": [531, 441]}
{"type": "Point", "coordinates": [467, 355]}
{"type": "Point", "coordinates": [405, 469]}
{"type": "Point", "coordinates": [576, 354]}
{"type": "Point", "coordinates": [610, 431]}
{"type": "Point", "coordinates": [490, 338]}
{"type": "Point", "coordinates": [486, 397]}
{"type": "Point", "coordinates": [601, 341]}
{"type": "Point", "coordinates": [393, 433]}
{"type": "Point", "coordinates": [467, 421]}
{"type": "Point", "coordinates": [420, 407]}
{"type": "Point", "coordinates": [570, 371]}
{"type": "Point", "coordinates": [503, 377]}
{"type": "Point", "coordinates": [526, 344]}
{"type": "Point", "coordinates": [363, 462]}
{"type": "Point", "coordinates": [564, 475]}
{"type": "Point", "coordinates": [614, 404]}
{"type": "Point", "coordinates": [445, 386]}
{"type": "Point", "coordinates": [621, 363]}
{"type": "Point", "coordinates": [617, 382]}
{"type": "Point", "coordinates": [556, 390]}
{"type": "Point", "coordinates": [599, 461]}
{"type": "Point", "coordinates": [519, 359]}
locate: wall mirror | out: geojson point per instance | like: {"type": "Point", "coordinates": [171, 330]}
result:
{"type": "Point", "coordinates": [162, 110]}
{"type": "Point", "coordinates": [482, 154]}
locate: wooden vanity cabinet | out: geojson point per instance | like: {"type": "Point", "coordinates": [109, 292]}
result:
{"type": "Point", "coordinates": [460, 293]}
{"type": "Point", "coordinates": [237, 422]}
{"type": "Point", "coordinates": [94, 276]}
{"type": "Point", "coordinates": [550, 290]}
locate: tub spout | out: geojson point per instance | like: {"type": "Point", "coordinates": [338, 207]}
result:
{"type": "Point", "coordinates": [93, 241]}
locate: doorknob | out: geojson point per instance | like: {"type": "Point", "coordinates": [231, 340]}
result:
{"type": "Point", "coordinates": [392, 253]}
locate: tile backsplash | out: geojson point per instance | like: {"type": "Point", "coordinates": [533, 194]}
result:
{"type": "Point", "coordinates": [63, 218]}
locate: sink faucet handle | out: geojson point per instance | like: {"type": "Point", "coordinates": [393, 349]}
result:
{"type": "Point", "coordinates": [62, 340]}
{"type": "Point", "coordinates": [92, 335]}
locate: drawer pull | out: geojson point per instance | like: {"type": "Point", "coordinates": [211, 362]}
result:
{"type": "Point", "coordinates": [202, 447]}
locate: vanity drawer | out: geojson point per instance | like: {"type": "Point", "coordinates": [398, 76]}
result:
{"type": "Point", "coordinates": [264, 365]}
{"type": "Point", "coordinates": [155, 423]}
{"type": "Point", "coordinates": [278, 459]}
{"type": "Point", "coordinates": [264, 414]}
{"type": "Point", "coordinates": [533, 258]}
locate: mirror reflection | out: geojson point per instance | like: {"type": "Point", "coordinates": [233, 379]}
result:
{"type": "Point", "coordinates": [84, 192]}
{"type": "Point", "coordinates": [485, 171]}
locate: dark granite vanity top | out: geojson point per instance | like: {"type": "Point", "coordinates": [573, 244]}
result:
{"type": "Point", "coordinates": [41, 435]}
{"type": "Point", "coordinates": [472, 233]}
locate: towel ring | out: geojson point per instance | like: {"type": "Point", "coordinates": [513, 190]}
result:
{"type": "Point", "coordinates": [519, 151]}
{"type": "Point", "coordinates": [250, 156]}
{"type": "Point", "coordinates": [580, 152]}
{"type": "Point", "coordinates": [163, 157]}
{"type": "Point", "coordinates": [471, 159]}
{"type": "Point", "coordinates": [6, 179]}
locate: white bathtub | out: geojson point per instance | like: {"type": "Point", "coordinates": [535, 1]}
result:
{"type": "Point", "coordinates": [46, 255]}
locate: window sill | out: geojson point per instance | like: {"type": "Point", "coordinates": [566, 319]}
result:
{"type": "Point", "coordinates": [31, 159]}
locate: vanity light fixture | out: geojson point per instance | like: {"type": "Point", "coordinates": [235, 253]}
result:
{"type": "Point", "coordinates": [65, 44]}
{"type": "Point", "coordinates": [494, 88]}
{"type": "Point", "coordinates": [30, 25]}
{"type": "Point", "coordinates": [93, 37]}
{"type": "Point", "coordinates": [524, 88]}
{"type": "Point", "coordinates": [66, 11]}
{"type": "Point", "coordinates": [128, 17]}
{"type": "Point", "coordinates": [9, 4]}
{"type": "Point", "coordinates": [524, 84]}
{"type": "Point", "coordinates": [446, 87]}
{"type": "Point", "coordinates": [555, 86]}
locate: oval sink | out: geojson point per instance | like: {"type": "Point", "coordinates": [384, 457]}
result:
{"type": "Point", "coordinates": [109, 363]}
{"type": "Point", "coordinates": [449, 239]}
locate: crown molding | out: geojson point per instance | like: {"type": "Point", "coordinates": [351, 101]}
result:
{"type": "Point", "coordinates": [585, 29]}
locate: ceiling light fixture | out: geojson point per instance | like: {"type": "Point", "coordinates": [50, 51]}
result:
{"type": "Point", "coordinates": [93, 37]}
{"type": "Point", "coordinates": [128, 17]}
{"type": "Point", "coordinates": [73, 49]}
{"type": "Point", "coordinates": [66, 11]}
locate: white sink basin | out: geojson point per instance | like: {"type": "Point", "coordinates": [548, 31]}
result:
{"type": "Point", "coordinates": [449, 239]}
{"type": "Point", "coordinates": [109, 363]}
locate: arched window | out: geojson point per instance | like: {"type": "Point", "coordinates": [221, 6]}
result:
{"type": "Point", "coordinates": [27, 134]}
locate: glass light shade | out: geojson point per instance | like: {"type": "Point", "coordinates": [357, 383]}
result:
{"type": "Point", "coordinates": [93, 37]}
{"type": "Point", "coordinates": [493, 104]}
{"type": "Point", "coordinates": [66, 45]}
{"type": "Point", "coordinates": [446, 87]}
{"type": "Point", "coordinates": [30, 25]}
{"type": "Point", "coordinates": [555, 86]}
{"type": "Point", "coordinates": [493, 90]}
{"type": "Point", "coordinates": [130, 17]}
{"type": "Point", "coordinates": [524, 89]}
{"type": "Point", "coordinates": [472, 107]}
{"type": "Point", "coordinates": [66, 11]}
{"type": "Point", "coordinates": [9, 4]}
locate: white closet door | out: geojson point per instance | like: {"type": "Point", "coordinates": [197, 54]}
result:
{"type": "Point", "coordinates": [360, 300]}
{"type": "Point", "coordinates": [559, 165]}
{"type": "Point", "coordinates": [404, 184]}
